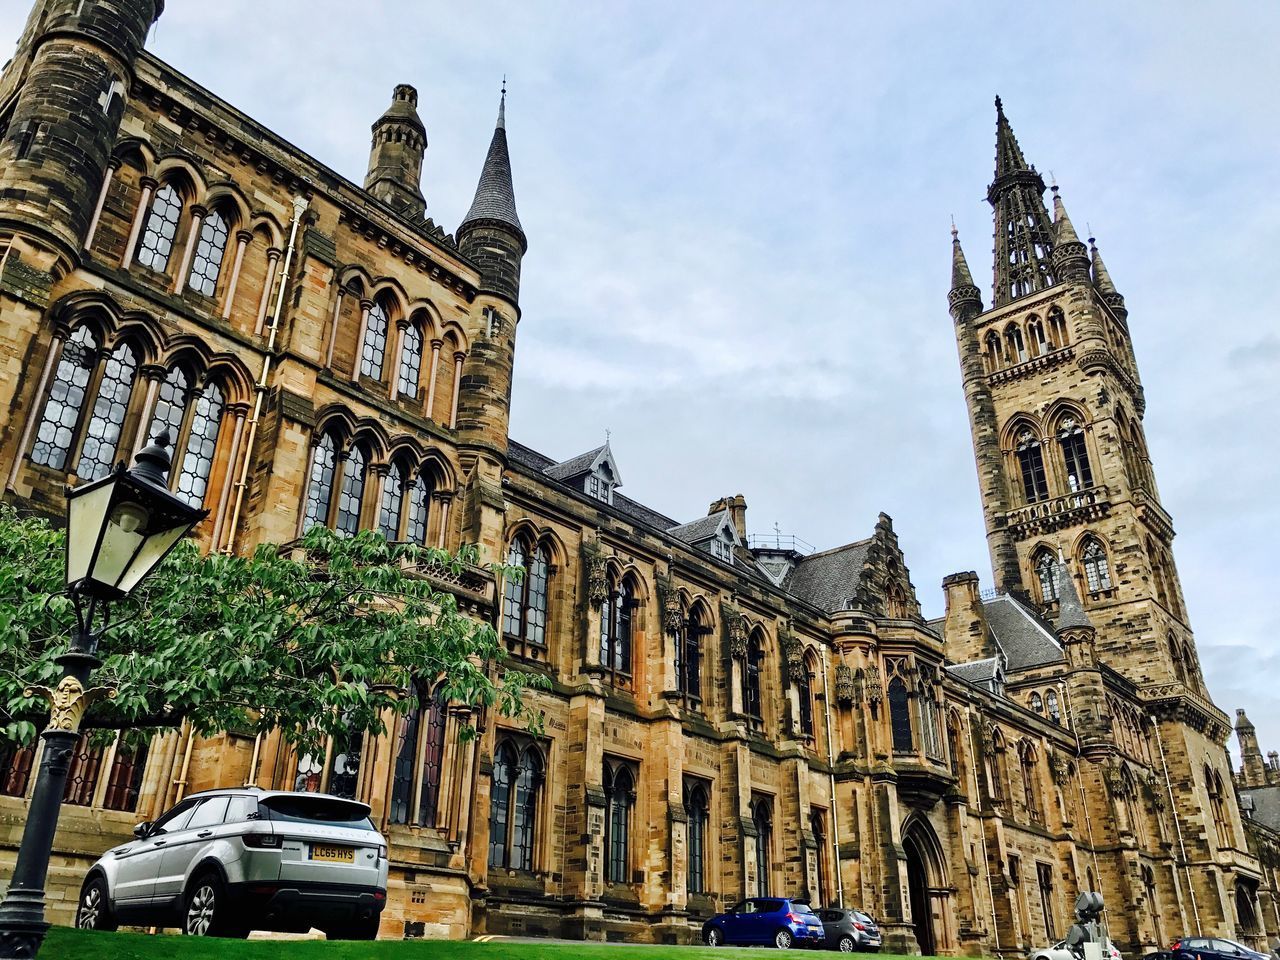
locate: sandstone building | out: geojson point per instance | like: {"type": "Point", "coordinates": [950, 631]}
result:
{"type": "Point", "coordinates": [728, 715]}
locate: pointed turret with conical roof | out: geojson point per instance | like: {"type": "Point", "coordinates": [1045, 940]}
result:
{"type": "Point", "coordinates": [1086, 693]}
{"type": "Point", "coordinates": [491, 234]}
{"type": "Point", "coordinates": [1023, 232]}
{"type": "Point", "coordinates": [964, 291]}
{"type": "Point", "coordinates": [1070, 256]}
{"type": "Point", "coordinates": [1103, 284]}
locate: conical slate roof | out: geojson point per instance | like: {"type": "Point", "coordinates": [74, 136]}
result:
{"type": "Point", "coordinates": [495, 199]}
{"type": "Point", "coordinates": [960, 275]}
{"type": "Point", "coordinates": [1101, 278]}
{"type": "Point", "coordinates": [1070, 609]}
{"type": "Point", "coordinates": [1064, 232]}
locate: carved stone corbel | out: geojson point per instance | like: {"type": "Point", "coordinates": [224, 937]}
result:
{"type": "Point", "coordinates": [68, 702]}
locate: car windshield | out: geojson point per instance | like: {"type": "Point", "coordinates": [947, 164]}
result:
{"type": "Point", "coordinates": [320, 811]}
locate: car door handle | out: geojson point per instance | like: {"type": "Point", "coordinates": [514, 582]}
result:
{"type": "Point", "coordinates": [161, 843]}
{"type": "Point", "coordinates": [204, 833]}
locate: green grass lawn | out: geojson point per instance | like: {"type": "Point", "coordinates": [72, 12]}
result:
{"type": "Point", "coordinates": [64, 943]}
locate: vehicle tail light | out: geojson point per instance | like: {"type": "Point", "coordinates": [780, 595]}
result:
{"type": "Point", "coordinates": [792, 917]}
{"type": "Point", "coordinates": [264, 841]}
{"type": "Point", "coordinates": [379, 894]}
{"type": "Point", "coordinates": [859, 926]}
{"type": "Point", "coordinates": [263, 889]}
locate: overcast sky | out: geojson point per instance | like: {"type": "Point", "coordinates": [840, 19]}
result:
{"type": "Point", "coordinates": [738, 223]}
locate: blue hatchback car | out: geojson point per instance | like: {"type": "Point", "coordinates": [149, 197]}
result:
{"type": "Point", "coordinates": [776, 921]}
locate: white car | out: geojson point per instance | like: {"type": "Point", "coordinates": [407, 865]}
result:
{"type": "Point", "coordinates": [224, 862]}
{"type": "Point", "coordinates": [1059, 951]}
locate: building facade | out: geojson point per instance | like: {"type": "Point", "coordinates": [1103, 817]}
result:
{"type": "Point", "coordinates": [727, 715]}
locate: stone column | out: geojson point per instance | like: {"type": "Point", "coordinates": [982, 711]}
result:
{"type": "Point", "coordinates": [333, 329]}
{"type": "Point", "coordinates": [242, 243]}
{"type": "Point", "coordinates": [273, 263]}
{"type": "Point", "coordinates": [365, 307]}
{"type": "Point", "coordinates": [457, 386]}
{"type": "Point", "coordinates": [153, 374]}
{"type": "Point", "coordinates": [198, 213]}
{"type": "Point", "coordinates": [102, 199]}
{"type": "Point", "coordinates": [35, 410]}
{"type": "Point", "coordinates": [431, 383]}
{"type": "Point", "coordinates": [144, 207]}
{"type": "Point", "coordinates": [401, 326]}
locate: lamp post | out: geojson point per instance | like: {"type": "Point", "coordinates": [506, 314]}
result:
{"type": "Point", "coordinates": [119, 528]}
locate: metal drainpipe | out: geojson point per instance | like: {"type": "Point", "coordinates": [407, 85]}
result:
{"type": "Point", "coordinates": [831, 776]}
{"type": "Point", "coordinates": [986, 857]}
{"type": "Point", "coordinates": [299, 207]}
{"type": "Point", "coordinates": [1177, 826]}
{"type": "Point", "coordinates": [1084, 800]}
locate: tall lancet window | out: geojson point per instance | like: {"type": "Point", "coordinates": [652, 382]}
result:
{"type": "Point", "coordinates": [1035, 486]}
{"type": "Point", "coordinates": [1074, 455]}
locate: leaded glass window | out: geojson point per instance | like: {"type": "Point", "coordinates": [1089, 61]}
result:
{"type": "Point", "coordinates": [1097, 571]}
{"type": "Point", "coordinates": [762, 817]}
{"type": "Point", "coordinates": [202, 441]}
{"type": "Point", "coordinates": [82, 775]}
{"type": "Point", "coordinates": [513, 806]}
{"type": "Point", "coordinates": [419, 500]}
{"type": "Point", "coordinates": [513, 593]}
{"type": "Point", "coordinates": [432, 759]}
{"type": "Point", "coordinates": [374, 348]}
{"type": "Point", "coordinates": [410, 361]}
{"type": "Point", "coordinates": [15, 768]}
{"type": "Point", "coordinates": [1046, 568]}
{"type": "Point", "coordinates": [525, 810]}
{"type": "Point", "coordinates": [615, 627]}
{"type": "Point", "coordinates": [162, 225]}
{"type": "Point", "coordinates": [804, 692]}
{"type": "Point", "coordinates": [207, 262]}
{"type": "Point", "coordinates": [696, 807]}
{"type": "Point", "coordinates": [406, 760]}
{"type": "Point", "coordinates": [1034, 485]}
{"type": "Point", "coordinates": [171, 407]}
{"type": "Point", "coordinates": [57, 430]}
{"type": "Point", "coordinates": [524, 607]}
{"type": "Point", "coordinates": [125, 779]}
{"type": "Point", "coordinates": [1074, 455]}
{"type": "Point", "coordinates": [751, 679]}
{"type": "Point", "coordinates": [392, 503]}
{"type": "Point", "coordinates": [619, 789]}
{"type": "Point", "coordinates": [320, 487]}
{"type": "Point", "coordinates": [689, 658]}
{"type": "Point", "coordinates": [504, 772]}
{"type": "Point", "coordinates": [900, 716]}
{"type": "Point", "coordinates": [1051, 704]}
{"type": "Point", "coordinates": [351, 496]}
{"type": "Point", "coordinates": [102, 436]}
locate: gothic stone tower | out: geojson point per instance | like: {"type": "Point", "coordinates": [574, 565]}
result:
{"type": "Point", "coordinates": [1056, 408]}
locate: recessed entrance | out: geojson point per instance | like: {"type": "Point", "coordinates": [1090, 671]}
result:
{"type": "Point", "coordinates": [924, 873]}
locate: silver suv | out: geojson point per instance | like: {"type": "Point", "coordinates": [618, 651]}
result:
{"type": "Point", "coordinates": [224, 862]}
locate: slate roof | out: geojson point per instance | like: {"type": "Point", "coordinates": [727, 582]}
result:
{"type": "Point", "coordinates": [976, 671]}
{"type": "Point", "coordinates": [1070, 610]}
{"type": "Point", "coordinates": [1025, 639]}
{"type": "Point", "coordinates": [1266, 805]}
{"type": "Point", "coordinates": [495, 198]}
{"type": "Point", "coordinates": [696, 531]}
{"type": "Point", "coordinates": [828, 580]}
{"type": "Point", "coordinates": [574, 466]}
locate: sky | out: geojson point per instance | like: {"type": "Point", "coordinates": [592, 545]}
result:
{"type": "Point", "coordinates": [738, 219]}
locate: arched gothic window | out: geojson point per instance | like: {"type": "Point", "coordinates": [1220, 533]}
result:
{"type": "Point", "coordinates": [615, 628]}
{"type": "Point", "coordinates": [1035, 333]}
{"type": "Point", "coordinates": [1051, 704]}
{"type": "Point", "coordinates": [1097, 572]}
{"type": "Point", "coordinates": [1035, 487]}
{"type": "Point", "coordinates": [689, 658]}
{"type": "Point", "coordinates": [410, 361]}
{"type": "Point", "coordinates": [1037, 703]}
{"type": "Point", "coordinates": [1017, 348]}
{"type": "Point", "coordinates": [513, 805]}
{"type": "Point", "coordinates": [1213, 783]}
{"type": "Point", "coordinates": [1046, 567]}
{"type": "Point", "coordinates": [320, 485]}
{"type": "Point", "coordinates": [997, 770]}
{"type": "Point", "coordinates": [751, 701]}
{"type": "Point", "coordinates": [374, 348]}
{"type": "Point", "coordinates": [818, 826]}
{"type": "Point", "coordinates": [351, 495]}
{"type": "Point", "coordinates": [415, 790]}
{"type": "Point", "coordinates": [1030, 789]}
{"type": "Point", "coordinates": [56, 435]}
{"type": "Point", "coordinates": [524, 605]}
{"type": "Point", "coordinates": [696, 807]}
{"type": "Point", "coordinates": [994, 355]}
{"type": "Point", "coordinates": [201, 443]}
{"type": "Point", "coordinates": [619, 798]}
{"type": "Point", "coordinates": [1057, 328]}
{"type": "Point", "coordinates": [156, 244]}
{"type": "Point", "coordinates": [900, 716]}
{"type": "Point", "coordinates": [954, 758]}
{"type": "Point", "coordinates": [762, 818]}
{"type": "Point", "coordinates": [1175, 656]}
{"type": "Point", "coordinates": [1074, 455]}
{"type": "Point", "coordinates": [207, 262]}
{"type": "Point", "coordinates": [102, 436]}
{"type": "Point", "coordinates": [804, 693]}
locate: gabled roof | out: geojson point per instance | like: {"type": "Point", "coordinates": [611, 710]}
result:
{"type": "Point", "coordinates": [1025, 639]}
{"type": "Point", "coordinates": [585, 463]}
{"type": "Point", "coordinates": [829, 580]}
{"type": "Point", "coordinates": [1266, 805]}
{"type": "Point", "coordinates": [976, 671]}
{"type": "Point", "coordinates": [704, 528]}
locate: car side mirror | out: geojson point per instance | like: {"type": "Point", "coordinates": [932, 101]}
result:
{"type": "Point", "coordinates": [142, 829]}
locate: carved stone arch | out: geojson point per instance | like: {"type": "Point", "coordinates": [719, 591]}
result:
{"type": "Point", "coordinates": [372, 436]}
{"type": "Point", "coordinates": [91, 308]}
{"type": "Point", "coordinates": [1016, 425]}
{"type": "Point", "coordinates": [184, 176]}
{"type": "Point", "coordinates": [232, 377]}
{"type": "Point", "coordinates": [453, 333]}
{"type": "Point", "coordinates": [135, 152]}
{"type": "Point", "coordinates": [337, 421]}
{"type": "Point", "coordinates": [405, 450]}
{"type": "Point", "coordinates": [423, 314]}
{"type": "Point", "coordinates": [441, 467]}
{"type": "Point", "coordinates": [266, 226]}
{"type": "Point", "coordinates": [388, 292]}
{"type": "Point", "coordinates": [355, 279]}
{"type": "Point", "coordinates": [225, 197]}
{"type": "Point", "coordinates": [1061, 408]}
{"type": "Point", "coordinates": [639, 584]}
{"type": "Point", "coordinates": [142, 331]}
{"type": "Point", "coordinates": [522, 529]}
{"type": "Point", "coordinates": [1027, 750]}
{"type": "Point", "coordinates": [188, 352]}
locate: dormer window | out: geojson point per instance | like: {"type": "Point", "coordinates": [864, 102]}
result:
{"type": "Point", "coordinates": [598, 488]}
{"type": "Point", "coordinates": [722, 547]}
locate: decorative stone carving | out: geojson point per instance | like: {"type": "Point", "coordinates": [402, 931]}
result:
{"type": "Point", "coordinates": [792, 654]}
{"type": "Point", "coordinates": [1059, 768]}
{"type": "Point", "coordinates": [69, 701]}
{"type": "Point", "coordinates": [735, 630]}
{"type": "Point", "coordinates": [1155, 791]}
{"type": "Point", "coordinates": [597, 581]}
{"type": "Point", "coordinates": [672, 615]}
{"type": "Point", "coordinates": [874, 685]}
{"type": "Point", "coordinates": [844, 684]}
{"type": "Point", "coordinates": [1115, 782]}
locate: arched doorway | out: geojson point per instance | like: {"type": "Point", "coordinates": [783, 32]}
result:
{"type": "Point", "coordinates": [1245, 913]}
{"type": "Point", "coordinates": [924, 876]}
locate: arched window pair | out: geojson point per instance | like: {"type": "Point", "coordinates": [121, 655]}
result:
{"type": "Point", "coordinates": [619, 783]}
{"type": "Point", "coordinates": [514, 804]}
{"type": "Point", "coordinates": [336, 488]}
{"type": "Point", "coordinates": [524, 600]}
{"type": "Point", "coordinates": [804, 694]}
{"type": "Point", "coordinates": [616, 627]}
{"type": "Point", "coordinates": [1017, 345]}
{"type": "Point", "coordinates": [1029, 451]}
{"type": "Point", "coordinates": [1035, 485]}
{"type": "Point", "coordinates": [752, 702]}
{"type": "Point", "coordinates": [89, 439]}
{"type": "Point", "coordinates": [202, 260]}
{"type": "Point", "coordinates": [1217, 804]}
{"type": "Point", "coordinates": [693, 627]}
{"type": "Point", "coordinates": [1030, 784]}
{"type": "Point", "coordinates": [1093, 559]}
{"type": "Point", "coordinates": [415, 788]}
{"type": "Point", "coordinates": [406, 499]}
{"type": "Point", "coordinates": [697, 809]}
{"type": "Point", "coordinates": [762, 819]}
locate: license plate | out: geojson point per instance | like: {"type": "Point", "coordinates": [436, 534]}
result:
{"type": "Point", "coordinates": [333, 854]}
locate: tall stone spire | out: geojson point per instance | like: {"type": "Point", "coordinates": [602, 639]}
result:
{"type": "Point", "coordinates": [1102, 283]}
{"type": "Point", "coordinates": [1254, 769]}
{"type": "Point", "coordinates": [1070, 256]}
{"type": "Point", "coordinates": [1023, 232]}
{"type": "Point", "coordinates": [963, 289]}
{"type": "Point", "coordinates": [495, 199]}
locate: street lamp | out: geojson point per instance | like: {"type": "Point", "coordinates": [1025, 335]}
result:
{"type": "Point", "coordinates": [119, 528]}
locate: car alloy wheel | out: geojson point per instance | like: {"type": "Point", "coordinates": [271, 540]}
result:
{"type": "Point", "coordinates": [201, 908]}
{"type": "Point", "coordinates": [782, 939]}
{"type": "Point", "coordinates": [846, 944]}
{"type": "Point", "coordinates": [90, 908]}
{"type": "Point", "coordinates": [714, 937]}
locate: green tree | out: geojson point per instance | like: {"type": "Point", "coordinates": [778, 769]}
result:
{"type": "Point", "coordinates": [311, 640]}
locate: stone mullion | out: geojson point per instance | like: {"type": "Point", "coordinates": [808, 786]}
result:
{"type": "Point", "coordinates": [365, 307]}
{"type": "Point", "coordinates": [371, 512]}
{"type": "Point", "coordinates": [243, 238]}
{"type": "Point", "coordinates": [397, 355]}
{"type": "Point", "coordinates": [431, 383]}
{"type": "Point", "coordinates": [102, 200]}
{"type": "Point", "coordinates": [135, 230]}
{"type": "Point", "coordinates": [457, 388]}
{"type": "Point", "coordinates": [333, 329]}
{"type": "Point", "coordinates": [198, 215]}
{"type": "Point", "coordinates": [86, 409]}
{"type": "Point", "coordinates": [264, 301]}
{"type": "Point", "coordinates": [154, 374]}
{"type": "Point", "coordinates": [464, 791]}
{"type": "Point", "coordinates": [36, 409]}
{"type": "Point", "coordinates": [443, 537]}
{"type": "Point", "coordinates": [306, 485]}
{"type": "Point", "coordinates": [238, 412]}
